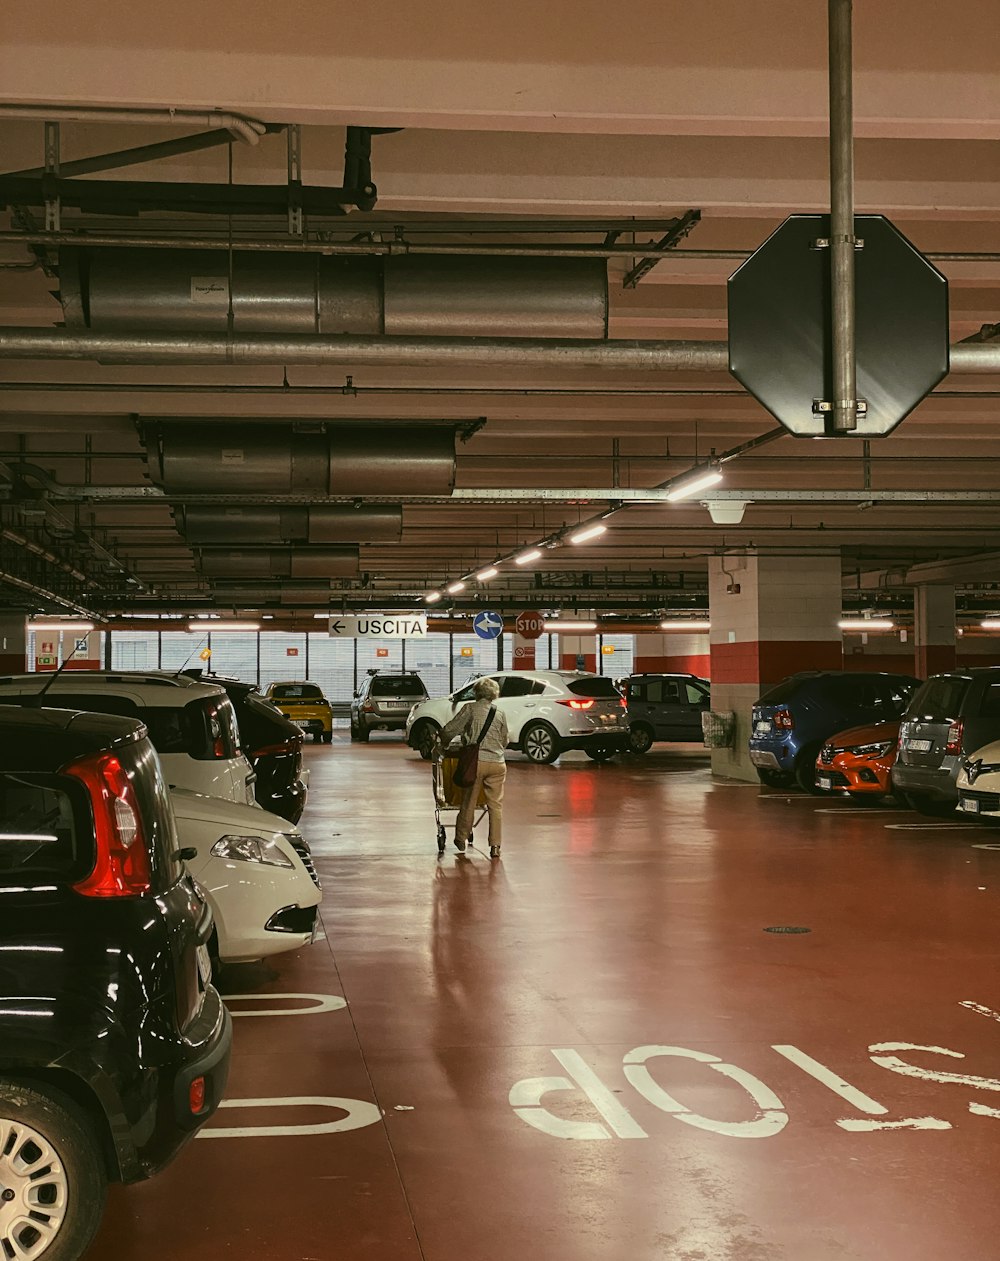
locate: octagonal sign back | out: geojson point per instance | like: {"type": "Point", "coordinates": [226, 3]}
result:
{"type": "Point", "coordinates": [779, 325]}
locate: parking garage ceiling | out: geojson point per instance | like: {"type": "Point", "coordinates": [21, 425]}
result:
{"type": "Point", "coordinates": [500, 152]}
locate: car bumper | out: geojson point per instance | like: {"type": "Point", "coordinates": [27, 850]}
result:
{"type": "Point", "coordinates": [286, 803]}
{"type": "Point", "coordinates": [245, 909]}
{"type": "Point", "coordinates": [383, 722]}
{"type": "Point", "coordinates": [985, 805]}
{"type": "Point", "coordinates": [772, 756]}
{"type": "Point", "coordinates": [617, 740]}
{"type": "Point", "coordinates": [861, 778]}
{"type": "Point", "coordinates": [938, 783]}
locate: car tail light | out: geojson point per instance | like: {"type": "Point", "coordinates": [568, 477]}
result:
{"type": "Point", "coordinates": [783, 719]}
{"type": "Point", "coordinates": [577, 704]}
{"type": "Point", "coordinates": [623, 703]}
{"type": "Point", "coordinates": [284, 746]}
{"type": "Point", "coordinates": [954, 744]}
{"type": "Point", "coordinates": [197, 1095]}
{"type": "Point", "coordinates": [368, 707]}
{"type": "Point", "coordinates": [122, 866]}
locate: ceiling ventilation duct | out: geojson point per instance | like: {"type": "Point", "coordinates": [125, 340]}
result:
{"type": "Point", "coordinates": [379, 523]}
{"type": "Point", "coordinates": [205, 457]}
{"type": "Point", "coordinates": [132, 290]}
{"type": "Point", "coordinates": [265, 562]}
{"type": "Point", "coordinates": [294, 592]}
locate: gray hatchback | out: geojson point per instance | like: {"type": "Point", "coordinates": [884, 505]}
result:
{"type": "Point", "coordinates": [664, 707]}
{"type": "Point", "coordinates": [950, 716]}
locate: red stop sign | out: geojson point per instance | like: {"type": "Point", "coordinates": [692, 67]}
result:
{"type": "Point", "coordinates": [529, 624]}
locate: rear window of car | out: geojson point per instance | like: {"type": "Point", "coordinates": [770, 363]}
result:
{"type": "Point", "coordinates": [45, 828]}
{"type": "Point", "coordinates": [599, 689]}
{"type": "Point", "coordinates": [939, 700]}
{"type": "Point", "coordinates": [989, 706]}
{"type": "Point", "coordinates": [782, 692]}
{"type": "Point", "coordinates": [400, 686]}
{"type": "Point", "coordinates": [296, 692]}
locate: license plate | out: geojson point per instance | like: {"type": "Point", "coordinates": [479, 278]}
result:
{"type": "Point", "coordinates": [610, 719]}
{"type": "Point", "coordinates": [824, 782]}
{"type": "Point", "coordinates": [919, 746]}
{"type": "Point", "coordinates": [968, 805]}
{"type": "Point", "coordinates": [762, 728]}
{"type": "Point", "coordinates": [303, 723]}
{"type": "Point", "coordinates": [204, 965]}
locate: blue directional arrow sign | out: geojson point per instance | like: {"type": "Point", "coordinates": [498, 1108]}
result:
{"type": "Point", "coordinates": [488, 625]}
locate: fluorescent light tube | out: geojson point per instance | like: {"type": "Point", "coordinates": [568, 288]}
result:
{"type": "Point", "coordinates": [588, 532]}
{"type": "Point", "coordinates": [686, 626]}
{"type": "Point", "coordinates": [866, 624]}
{"type": "Point", "coordinates": [697, 481]}
{"type": "Point", "coordinates": [485, 575]}
{"type": "Point", "coordinates": [224, 626]}
{"type": "Point", "coordinates": [432, 597]}
{"type": "Point", "coordinates": [49, 627]}
{"type": "Point", "coordinates": [455, 588]}
{"type": "Point", "coordinates": [527, 557]}
{"type": "Point", "coordinates": [571, 626]}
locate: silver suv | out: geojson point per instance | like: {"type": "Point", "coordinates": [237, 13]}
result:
{"type": "Point", "coordinates": [383, 702]}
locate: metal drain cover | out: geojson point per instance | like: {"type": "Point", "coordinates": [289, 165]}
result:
{"type": "Point", "coordinates": [787, 928]}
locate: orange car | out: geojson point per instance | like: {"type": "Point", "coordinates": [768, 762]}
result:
{"type": "Point", "coordinates": [859, 761]}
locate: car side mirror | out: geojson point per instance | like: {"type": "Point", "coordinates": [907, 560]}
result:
{"type": "Point", "coordinates": [186, 855]}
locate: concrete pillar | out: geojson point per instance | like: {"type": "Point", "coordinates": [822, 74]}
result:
{"type": "Point", "coordinates": [13, 643]}
{"type": "Point", "coordinates": [934, 629]}
{"type": "Point", "coordinates": [782, 619]}
{"type": "Point", "coordinates": [673, 653]}
{"type": "Point", "coordinates": [578, 652]}
{"type": "Point", "coordinates": [523, 653]}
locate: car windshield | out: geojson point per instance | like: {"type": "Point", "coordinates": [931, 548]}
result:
{"type": "Point", "coordinates": [595, 687]}
{"type": "Point", "coordinates": [405, 685]}
{"type": "Point", "coordinates": [296, 692]}
{"type": "Point", "coordinates": [939, 700]}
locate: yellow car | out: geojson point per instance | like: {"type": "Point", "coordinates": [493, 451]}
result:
{"type": "Point", "coordinates": [305, 705]}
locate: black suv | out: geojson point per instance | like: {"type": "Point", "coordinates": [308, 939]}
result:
{"type": "Point", "coordinates": [950, 717]}
{"type": "Point", "coordinates": [104, 935]}
{"type": "Point", "coordinates": [383, 702]}
{"type": "Point", "coordinates": [272, 742]}
{"type": "Point", "coordinates": [664, 707]}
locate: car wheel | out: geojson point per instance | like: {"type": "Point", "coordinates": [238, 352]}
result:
{"type": "Point", "coordinates": [423, 737]}
{"type": "Point", "coordinates": [928, 807]}
{"type": "Point", "coordinates": [805, 769]}
{"type": "Point", "coordinates": [773, 779]}
{"type": "Point", "coordinates": [52, 1173]}
{"type": "Point", "coordinates": [600, 755]}
{"type": "Point", "coordinates": [640, 738]}
{"type": "Point", "coordinates": [328, 737]}
{"type": "Point", "coordinates": [539, 743]}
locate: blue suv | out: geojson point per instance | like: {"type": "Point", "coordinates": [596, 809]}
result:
{"type": "Point", "coordinates": [792, 721]}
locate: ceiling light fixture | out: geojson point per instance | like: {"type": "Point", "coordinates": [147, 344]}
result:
{"type": "Point", "coordinates": [571, 626]}
{"type": "Point", "coordinates": [991, 623]}
{"type": "Point", "coordinates": [698, 479]}
{"type": "Point", "coordinates": [78, 627]}
{"type": "Point", "coordinates": [486, 574]}
{"type": "Point", "coordinates": [225, 626]}
{"type": "Point", "coordinates": [588, 532]}
{"type": "Point", "coordinates": [455, 588]}
{"type": "Point", "coordinates": [527, 557]}
{"type": "Point", "coordinates": [432, 597]}
{"type": "Point", "coordinates": [686, 626]}
{"type": "Point", "coordinates": [866, 624]}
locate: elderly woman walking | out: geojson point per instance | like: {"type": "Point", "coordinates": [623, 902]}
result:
{"type": "Point", "coordinates": [480, 716]}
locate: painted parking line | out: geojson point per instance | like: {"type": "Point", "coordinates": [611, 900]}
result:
{"type": "Point", "coordinates": [927, 827]}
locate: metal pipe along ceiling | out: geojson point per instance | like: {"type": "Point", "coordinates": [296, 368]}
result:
{"type": "Point", "coordinates": [248, 129]}
{"type": "Point", "coordinates": [287, 525]}
{"type": "Point", "coordinates": [127, 290]}
{"type": "Point", "coordinates": [262, 562]}
{"type": "Point", "coordinates": [204, 456]}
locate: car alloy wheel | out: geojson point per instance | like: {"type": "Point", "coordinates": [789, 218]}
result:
{"type": "Point", "coordinates": [538, 743]}
{"type": "Point", "coordinates": [34, 1191]}
{"type": "Point", "coordinates": [640, 739]}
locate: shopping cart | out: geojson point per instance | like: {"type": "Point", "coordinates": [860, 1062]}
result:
{"type": "Point", "coordinates": [447, 794]}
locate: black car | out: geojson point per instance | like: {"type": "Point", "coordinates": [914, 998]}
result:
{"type": "Point", "coordinates": [664, 707]}
{"type": "Point", "coordinates": [114, 1046]}
{"type": "Point", "coordinates": [949, 718]}
{"type": "Point", "coordinates": [273, 744]}
{"type": "Point", "coordinates": [383, 702]}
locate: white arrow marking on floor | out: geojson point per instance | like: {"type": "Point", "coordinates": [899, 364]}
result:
{"type": "Point", "coordinates": [319, 1003]}
{"type": "Point", "coordinates": [896, 1065]}
{"type": "Point", "coordinates": [981, 1009]}
{"type": "Point", "coordinates": [359, 1115]}
{"type": "Point", "coordinates": [927, 827]}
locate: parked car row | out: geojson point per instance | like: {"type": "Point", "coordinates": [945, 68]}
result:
{"type": "Point", "coordinates": [935, 745]}
{"type": "Point", "coordinates": [134, 857]}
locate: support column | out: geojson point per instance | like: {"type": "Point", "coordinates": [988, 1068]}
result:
{"type": "Point", "coordinates": [524, 653]}
{"type": "Point", "coordinates": [13, 643]}
{"type": "Point", "coordinates": [934, 629]}
{"type": "Point", "coordinates": [578, 652]}
{"type": "Point", "coordinates": [675, 653]}
{"type": "Point", "coordinates": [782, 619]}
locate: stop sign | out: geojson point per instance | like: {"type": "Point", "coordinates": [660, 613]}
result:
{"type": "Point", "coordinates": [779, 325]}
{"type": "Point", "coordinates": [529, 624]}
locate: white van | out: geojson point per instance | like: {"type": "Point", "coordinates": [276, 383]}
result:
{"type": "Point", "coordinates": [191, 724]}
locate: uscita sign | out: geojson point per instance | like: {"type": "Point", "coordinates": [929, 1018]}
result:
{"type": "Point", "coordinates": [379, 626]}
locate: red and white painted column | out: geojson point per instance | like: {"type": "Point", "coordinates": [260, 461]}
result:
{"type": "Point", "coordinates": [13, 643]}
{"type": "Point", "coordinates": [934, 629]}
{"type": "Point", "coordinates": [771, 616]}
{"type": "Point", "coordinates": [673, 653]}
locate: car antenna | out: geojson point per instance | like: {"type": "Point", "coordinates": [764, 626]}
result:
{"type": "Point", "coordinates": [34, 701]}
{"type": "Point", "coordinates": [187, 661]}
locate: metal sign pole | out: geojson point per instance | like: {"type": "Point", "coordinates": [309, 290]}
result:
{"type": "Point", "coordinates": [842, 240]}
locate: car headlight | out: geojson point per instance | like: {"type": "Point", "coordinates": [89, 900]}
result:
{"type": "Point", "coordinates": [251, 849]}
{"type": "Point", "coordinates": [871, 750]}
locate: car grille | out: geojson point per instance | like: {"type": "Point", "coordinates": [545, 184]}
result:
{"type": "Point", "coordinates": [305, 853]}
{"type": "Point", "coordinates": [987, 801]}
{"type": "Point", "coordinates": [838, 780]}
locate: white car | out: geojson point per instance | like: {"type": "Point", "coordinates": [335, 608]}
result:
{"type": "Point", "coordinates": [256, 871]}
{"type": "Point", "coordinates": [192, 724]}
{"type": "Point", "coordinates": [978, 783]}
{"type": "Point", "coordinates": [548, 712]}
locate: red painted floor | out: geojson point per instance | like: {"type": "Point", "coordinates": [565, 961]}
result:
{"type": "Point", "coordinates": [621, 939]}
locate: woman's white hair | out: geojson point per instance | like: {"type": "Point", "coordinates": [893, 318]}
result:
{"type": "Point", "coordinates": [486, 689]}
